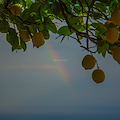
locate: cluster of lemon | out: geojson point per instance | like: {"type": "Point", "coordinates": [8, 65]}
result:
{"type": "Point", "coordinates": [37, 38]}
{"type": "Point", "coordinates": [88, 63]}
{"type": "Point", "coordinates": [112, 34]}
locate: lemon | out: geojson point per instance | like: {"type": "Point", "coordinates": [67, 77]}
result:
{"type": "Point", "coordinates": [98, 76]}
{"type": "Point", "coordinates": [15, 9]}
{"type": "Point", "coordinates": [112, 35]}
{"type": "Point", "coordinates": [116, 54]}
{"type": "Point", "coordinates": [115, 17]}
{"type": "Point", "coordinates": [24, 35]}
{"type": "Point", "coordinates": [38, 39]}
{"type": "Point", "coordinates": [88, 62]}
{"type": "Point", "coordinates": [107, 23]}
{"type": "Point", "coordinates": [118, 61]}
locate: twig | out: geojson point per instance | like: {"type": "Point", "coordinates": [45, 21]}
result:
{"type": "Point", "coordinates": [81, 5]}
{"type": "Point", "coordinates": [27, 22]}
{"type": "Point", "coordinates": [87, 27]}
{"type": "Point", "coordinates": [88, 49]}
{"type": "Point", "coordinates": [76, 39]}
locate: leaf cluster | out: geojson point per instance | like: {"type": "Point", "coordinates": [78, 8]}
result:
{"type": "Point", "coordinates": [77, 19]}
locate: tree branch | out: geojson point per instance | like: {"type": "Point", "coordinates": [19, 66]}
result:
{"type": "Point", "coordinates": [7, 3]}
{"type": "Point", "coordinates": [87, 27]}
{"type": "Point", "coordinates": [76, 39]}
{"type": "Point", "coordinates": [83, 34]}
{"type": "Point", "coordinates": [68, 11]}
{"type": "Point", "coordinates": [88, 49]}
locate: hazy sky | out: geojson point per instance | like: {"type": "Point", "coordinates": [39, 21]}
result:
{"type": "Point", "coordinates": [36, 81]}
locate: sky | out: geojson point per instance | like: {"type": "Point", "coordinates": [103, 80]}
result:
{"type": "Point", "coordinates": [51, 80]}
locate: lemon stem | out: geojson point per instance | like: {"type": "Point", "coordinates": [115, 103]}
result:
{"type": "Point", "coordinates": [97, 64]}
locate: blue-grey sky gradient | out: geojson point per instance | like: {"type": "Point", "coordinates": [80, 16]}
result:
{"type": "Point", "coordinates": [31, 84]}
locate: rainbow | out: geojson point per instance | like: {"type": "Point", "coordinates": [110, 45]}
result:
{"type": "Point", "coordinates": [58, 62]}
{"type": "Point", "coordinates": [62, 70]}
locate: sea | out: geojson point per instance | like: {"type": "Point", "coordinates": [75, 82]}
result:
{"type": "Point", "coordinates": [58, 117]}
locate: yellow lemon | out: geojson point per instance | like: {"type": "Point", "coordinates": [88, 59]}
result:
{"type": "Point", "coordinates": [38, 39]}
{"type": "Point", "coordinates": [115, 17]}
{"type": "Point", "coordinates": [98, 76]}
{"type": "Point", "coordinates": [24, 35]}
{"type": "Point", "coordinates": [112, 35]}
{"type": "Point", "coordinates": [116, 54]}
{"type": "Point", "coordinates": [107, 23]}
{"type": "Point", "coordinates": [118, 61]}
{"type": "Point", "coordinates": [15, 9]}
{"type": "Point", "coordinates": [88, 62]}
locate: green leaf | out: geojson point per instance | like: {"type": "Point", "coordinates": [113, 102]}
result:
{"type": "Point", "coordinates": [75, 20]}
{"type": "Point", "coordinates": [23, 44]}
{"type": "Point", "coordinates": [40, 28]}
{"type": "Point", "coordinates": [51, 26]}
{"type": "Point", "coordinates": [44, 7]}
{"type": "Point", "coordinates": [29, 3]}
{"type": "Point", "coordinates": [32, 28]}
{"type": "Point", "coordinates": [25, 14]}
{"type": "Point", "coordinates": [22, 2]}
{"type": "Point", "coordinates": [101, 6]}
{"type": "Point", "coordinates": [78, 27]}
{"type": "Point", "coordinates": [64, 31]}
{"type": "Point", "coordinates": [103, 49]}
{"type": "Point", "coordinates": [1, 1]}
{"type": "Point", "coordinates": [100, 27]}
{"type": "Point", "coordinates": [103, 37]}
{"type": "Point", "coordinates": [35, 8]}
{"type": "Point", "coordinates": [45, 33]}
{"type": "Point", "coordinates": [19, 23]}
{"type": "Point", "coordinates": [12, 38]}
{"type": "Point", "coordinates": [89, 2]}
{"type": "Point", "coordinates": [18, 48]}
{"type": "Point", "coordinates": [97, 15]}
{"type": "Point", "coordinates": [55, 9]}
{"type": "Point", "coordinates": [95, 25]}
{"type": "Point", "coordinates": [4, 26]}
{"type": "Point", "coordinates": [83, 3]}
{"type": "Point", "coordinates": [113, 5]}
